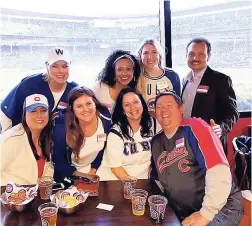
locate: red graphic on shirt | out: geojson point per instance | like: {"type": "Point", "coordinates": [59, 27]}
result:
{"type": "Point", "coordinates": [182, 165]}
{"type": "Point", "coordinates": [204, 87]}
{"type": "Point", "coordinates": [55, 115]}
{"type": "Point", "coordinates": [166, 159]}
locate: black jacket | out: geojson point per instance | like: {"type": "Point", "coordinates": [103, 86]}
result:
{"type": "Point", "coordinates": [219, 103]}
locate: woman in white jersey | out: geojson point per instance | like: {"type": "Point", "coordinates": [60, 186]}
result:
{"type": "Point", "coordinates": [128, 150]}
{"type": "Point", "coordinates": [79, 135]}
{"type": "Point", "coordinates": [121, 70]}
{"type": "Point", "coordinates": [53, 85]}
{"type": "Point", "coordinates": [154, 78]}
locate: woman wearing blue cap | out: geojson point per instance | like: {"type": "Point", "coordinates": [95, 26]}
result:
{"type": "Point", "coordinates": [52, 84]}
{"type": "Point", "coordinates": [27, 143]}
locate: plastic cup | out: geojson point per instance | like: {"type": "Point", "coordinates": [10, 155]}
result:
{"type": "Point", "coordinates": [45, 187]}
{"type": "Point", "coordinates": [138, 199]}
{"type": "Point", "coordinates": [129, 183]}
{"type": "Point", "coordinates": [157, 207]}
{"type": "Point", "coordinates": [48, 214]}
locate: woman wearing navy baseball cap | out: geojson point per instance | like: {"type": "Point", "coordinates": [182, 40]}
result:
{"type": "Point", "coordinates": [52, 84]}
{"type": "Point", "coordinates": [27, 143]}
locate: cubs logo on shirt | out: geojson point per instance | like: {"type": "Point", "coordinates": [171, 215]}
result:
{"type": "Point", "coordinates": [154, 86]}
{"type": "Point", "coordinates": [151, 104]}
{"type": "Point", "coordinates": [168, 158]}
{"type": "Point", "coordinates": [133, 147]}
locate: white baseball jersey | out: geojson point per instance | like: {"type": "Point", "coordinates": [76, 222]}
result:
{"type": "Point", "coordinates": [90, 150]}
{"type": "Point", "coordinates": [133, 156]}
{"type": "Point", "coordinates": [169, 80]}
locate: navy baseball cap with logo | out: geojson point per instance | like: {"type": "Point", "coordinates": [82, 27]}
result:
{"type": "Point", "coordinates": [57, 53]}
{"type": "Point", "coordinates": [169, 93]}
{"type": "Point", "coordinates": [35, 100]}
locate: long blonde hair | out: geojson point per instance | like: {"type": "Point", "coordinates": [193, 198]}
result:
{"type": "Point", "coordinates": [141, 85]}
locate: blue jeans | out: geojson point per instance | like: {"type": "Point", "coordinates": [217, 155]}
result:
{"type": "Point", "coordinates": [231, 214]}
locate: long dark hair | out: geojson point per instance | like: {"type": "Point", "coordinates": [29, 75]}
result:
{"type": "Point", "coordinates": [107, 75]}
{"type": "Point", "coordinates": [44, 138]}
{"type": "Point", "coordinates": [120, 118]}
{"type": "Point", "coordinates": [74, 135]}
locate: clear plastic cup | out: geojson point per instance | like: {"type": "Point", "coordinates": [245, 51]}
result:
{"type": "Point", "coordinates": [157, 207]}
{"type": "Point", "coordinates": [45, 187]}
{"type": "Point", "coordinates": [129, 183]}
{"type": "Point", "coordinates": [48, 214]}
{"type": "Point", "coordinates": [138, 199]}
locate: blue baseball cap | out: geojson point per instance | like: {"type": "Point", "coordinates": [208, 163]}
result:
{"type": "Point", "coordinates": [169, 93]}
{"type": "Point", "coordinates": [35, 100]}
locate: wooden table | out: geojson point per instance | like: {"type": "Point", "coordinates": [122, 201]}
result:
{"type": "Point", "coordinates": [110, 193]}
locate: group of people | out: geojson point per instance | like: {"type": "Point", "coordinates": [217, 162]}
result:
{"type": "Point", "coordinates": [134, 121]}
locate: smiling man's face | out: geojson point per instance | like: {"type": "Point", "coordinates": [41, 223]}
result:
{"type": "Point", "coordinates": [197, 56]}
{"type": "Point", "coordinates": [168, 113]}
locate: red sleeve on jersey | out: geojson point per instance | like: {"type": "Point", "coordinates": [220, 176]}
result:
{"type": "Point", "coordinates": [209, 144]}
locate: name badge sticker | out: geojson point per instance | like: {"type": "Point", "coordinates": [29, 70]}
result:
{"type": "Point", "coordinates": [180, 143]}
{"type": "Point", "coordinates": [162, 85]}
{"type": "Point", "coordinates": [62, 105]}
{"type": "Point", "coordinates": [101, 137]}
{"type": "Point", "coordinates": [202, 89]}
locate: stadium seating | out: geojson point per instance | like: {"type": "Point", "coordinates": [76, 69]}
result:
{"type": "Point", "coordinates": [27, 35]}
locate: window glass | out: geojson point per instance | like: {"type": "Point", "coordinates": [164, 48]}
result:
{"type": "Point", "coordinates": [227, 25]}
{"type": "Point", "coordinates": [89, 32]}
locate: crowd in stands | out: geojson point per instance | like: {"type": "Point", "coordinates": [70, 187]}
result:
{"type": "Point", "coordinates": [229, 32]}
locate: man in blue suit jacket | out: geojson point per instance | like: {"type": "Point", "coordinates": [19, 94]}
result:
{"type": "Point", "coordinates": [206, 93]}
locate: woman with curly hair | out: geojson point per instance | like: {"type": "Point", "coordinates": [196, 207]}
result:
{"type": "Point", "coordinates": [121, 70]}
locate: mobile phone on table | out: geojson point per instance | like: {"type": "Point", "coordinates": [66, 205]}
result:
{"type": "Point", "coordinates": [58, 186]}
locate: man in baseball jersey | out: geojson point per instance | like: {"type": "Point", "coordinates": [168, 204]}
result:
{"type": "Point", "coordinates": [191, 165]}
